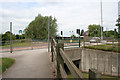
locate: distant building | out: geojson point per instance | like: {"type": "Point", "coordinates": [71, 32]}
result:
{"type": "Point", "coordinates": [118, 8]}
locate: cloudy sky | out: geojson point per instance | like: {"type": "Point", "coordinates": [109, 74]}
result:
{"type": "Point", "coordinates": [70, 14]}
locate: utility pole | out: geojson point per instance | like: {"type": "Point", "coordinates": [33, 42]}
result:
{"type": "Point", "coordinates": [11, 37]}
{"type": "Point", "coordinates": [101, 21]}
{"type": "Point", "coordinates": [48, 36]}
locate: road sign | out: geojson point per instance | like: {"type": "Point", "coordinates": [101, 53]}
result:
{"type": "Point", "coordinates": [71, 40]}
{"type": "Point", "coordinates": [78, 31]}
{"type": "Point", "coordinates": [61, 32]}
{"type": "Point", "coordinates": [20, 31]}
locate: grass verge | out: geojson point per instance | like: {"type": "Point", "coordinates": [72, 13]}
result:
{"type": "Point", "coordinates": [18, 45]}
{"type": "Point", "coordinates": [5, 63]}
{"type": "Point", "coordinates": [104, 77]}
{"type": "Point", "coordinates": [104, 47]}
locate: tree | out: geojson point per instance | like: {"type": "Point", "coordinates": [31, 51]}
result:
{"type": "Point", "coordinates": [73, 36]}
{"type": "Point", "coordinates": [17, 36]}
{"type": "Point", "coordinates": [20, 36]}
{"type": "Point", "coordinates": [38, 28]}
{"type": "Point", "coordinates": [6, 36]}
{"type": "Point", "coordinates": [94, 30]}
{"type": "Point", "coordinates": [110, 33]}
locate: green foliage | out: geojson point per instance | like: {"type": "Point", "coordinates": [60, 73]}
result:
{"type": "Point", "coordinates": [104, 47]}
{"type": "Point", "coordinates": [110, 34]}
{"type": "Point", "coordinates": [20, 36]}
{"type": "Point", "coordinates": [73, 36]}
{"type": "Point", "coordinates": [92, 29]}
{"type": "Point", "coordinates": [38, 28]}
{"type": "Point", "coordinates": [5, 63]}
{"type": "Point", "coordinates": [17, 36]}
{"type": "Point", "coordinates": [6, 36]}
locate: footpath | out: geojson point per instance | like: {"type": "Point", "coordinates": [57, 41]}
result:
{"type": "Point", "coordinates": [29, 64]}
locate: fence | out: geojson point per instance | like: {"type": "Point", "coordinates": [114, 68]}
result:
{"type": "Point", "coordinates": [60, 58]}
{"type": "Point", "coordinates": [70, 42]}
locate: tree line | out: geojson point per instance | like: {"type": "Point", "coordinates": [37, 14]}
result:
{"type": "Point", "coordinates": [38, 29]}
{"type": "Point", "coordinates": [95, 31]}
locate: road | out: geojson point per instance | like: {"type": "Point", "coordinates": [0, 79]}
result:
{"type": "Point", "coordinates": [24, 48]}
{"type": "Point", "coordinates": [29, 64]}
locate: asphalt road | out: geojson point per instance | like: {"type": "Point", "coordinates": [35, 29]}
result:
{"type": "Point", "coordinates": [29, 64]}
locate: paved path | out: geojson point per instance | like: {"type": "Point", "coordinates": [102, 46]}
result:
{"type": "Point", "coordinates": [29, 64]}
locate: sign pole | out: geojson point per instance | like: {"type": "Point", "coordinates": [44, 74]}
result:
{"type": "Point", "coordinates": [48, 37]}
{"type": "Point", "coordinates": [11, 50]}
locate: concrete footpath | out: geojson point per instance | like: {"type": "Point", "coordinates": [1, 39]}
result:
{"type": "Point", "coordinates": [29, 64]}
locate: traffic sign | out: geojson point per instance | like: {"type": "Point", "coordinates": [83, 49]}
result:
{"type": "Point", "coordinates": [20, 31]}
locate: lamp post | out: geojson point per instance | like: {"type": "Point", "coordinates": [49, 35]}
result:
{"type": "Point", "coordinates": [101, 20]}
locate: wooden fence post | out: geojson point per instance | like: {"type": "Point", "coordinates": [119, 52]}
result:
{"type": "Point", "coordinates": [94, 74]}
{"type": "Point", "coordinates": [52, 49]}
{"type": "Point", "coordinates": [59, 58]}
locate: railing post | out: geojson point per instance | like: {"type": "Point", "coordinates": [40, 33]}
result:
{"type": "Point", "coordinates": [94, 74]}
{"type": "Point", "coordinates": [52, 49]}
{"type": "Point", "coordinates": [79, 42]}
{"type": "Point", "coordinates": [57, 40]}
{"type": "Point", "coordinates": [59, 59]}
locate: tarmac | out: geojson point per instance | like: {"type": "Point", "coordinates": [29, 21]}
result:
{"type": "Point", "coordinates": [29, 64]}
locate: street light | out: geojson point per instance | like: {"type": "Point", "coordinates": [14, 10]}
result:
{"type": "Point", "coordinates": [101, 20]}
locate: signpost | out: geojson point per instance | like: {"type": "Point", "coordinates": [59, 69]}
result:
{"type": "Point", "coordinates": [11, 50]}
{"type": "Point", "coordinates": [20, 32]}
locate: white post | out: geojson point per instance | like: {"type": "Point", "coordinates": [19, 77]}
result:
{"type": "Point", "coordinates": [101, 21]}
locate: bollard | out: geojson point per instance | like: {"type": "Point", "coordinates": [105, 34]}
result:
{"type": "Point", "coordinates": [94, 74]}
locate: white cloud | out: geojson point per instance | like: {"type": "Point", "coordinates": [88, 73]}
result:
{"type": "Point", "coordinates": [70, 14]}
{"type": "Point", "coordinates": [58, 0]}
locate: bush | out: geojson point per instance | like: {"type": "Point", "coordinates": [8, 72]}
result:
{"type": "Point", "coordinates": [22, 41]}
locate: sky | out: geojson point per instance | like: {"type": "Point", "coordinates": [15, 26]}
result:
{"type": "Point", "coordinates": [70, 14]}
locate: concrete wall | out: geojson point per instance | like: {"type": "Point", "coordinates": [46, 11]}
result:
{"type": "Point", "coordinates": [103, 61]}
{"type": "Point", "coordinates": [74, 54]}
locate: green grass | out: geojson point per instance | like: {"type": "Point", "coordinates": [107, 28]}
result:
{"type": "Point", "coordinates": [5, 63]}
{"type": "Point", "coordinates": [86, 75]}
{"type": "Point", "coordinates": [18, 45]}
{"type": "Point", "coordinates": [104, 47]}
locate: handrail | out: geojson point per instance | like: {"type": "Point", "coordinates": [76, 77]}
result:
{"type": "Point", "coordinates": [60, 57]}
{"type": "Point", "coordinates": [73, 69]}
